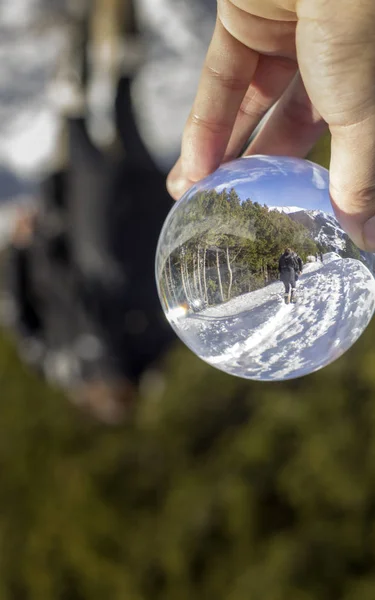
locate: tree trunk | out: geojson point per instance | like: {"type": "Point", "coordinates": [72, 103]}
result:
{"type": "Point", "coordinates": [230, 275]}
{"type": "Point", "coordinates": [195, 281]}
{"type": "Point", "coordinates": [171, 280]}
{"type": "Point", "coordinates": [219, 276]}
{"type": "Point", "coordinates": [265, 273]}
{"type": "Point", "coordinates": [204, 274]}
{"type": "Point", "coordinates": [187, 280]}
{"type": "Point", "coordinates": [200, 274]}
{"type": "Point", "coordinates": [183, 282]}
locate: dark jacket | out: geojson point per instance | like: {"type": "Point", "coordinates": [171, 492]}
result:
{"type": "Point", "coordinates": [288, 262]}
{"type": "Point", "coordinates": [299, 263]}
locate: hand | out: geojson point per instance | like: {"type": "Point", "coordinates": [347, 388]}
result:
{"type": "Point", "coordinates": [317, 57]}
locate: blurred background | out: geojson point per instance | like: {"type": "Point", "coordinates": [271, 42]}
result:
{"type": "Point", "coordinates": [129, 468]}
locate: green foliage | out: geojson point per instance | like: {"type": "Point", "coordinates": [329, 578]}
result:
{"type": "Point", "coordinates": [351, 250]}
{"type": "Point", "coordinates": [322, 248]}
{"type": "Point", "coordinates": [223, 488]}
{"type": "Point", "coordinates": [220, 489]}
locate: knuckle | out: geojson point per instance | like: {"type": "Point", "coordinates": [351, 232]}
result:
{"type": "Point", "coordinates": [254, 106]}
{"type": "Point", "coordinates": [214, 126]}
{"type": "Point", "coordinates": [227, 81]}
{"type": "Point", "coordinates": [362, 199]}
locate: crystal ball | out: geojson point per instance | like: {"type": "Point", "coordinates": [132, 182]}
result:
{"type": "Point", "coordinates": [255, 274]}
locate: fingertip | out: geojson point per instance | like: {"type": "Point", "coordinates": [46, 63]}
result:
{"type": "Point", "coordinates": [177, 184]}
{"type": "Point", "coordinates": [352, 180]}
{"type": "Point", "coordinates": [356, 220]}
{"type": "Point", "coordinates": [177, 187]}
{"type": "Point", "coordinates": [201, 155]}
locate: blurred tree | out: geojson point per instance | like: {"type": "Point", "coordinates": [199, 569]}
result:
{"type": "Point", "coordinates": [220, 488]}
{"type": "Point", "coordinates": [351, 250]}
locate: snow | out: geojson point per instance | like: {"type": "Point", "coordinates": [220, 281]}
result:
{"type": "Point", "coordinates": [286, 209]}
{"type": "Point", "coordinates": [174, 314]}
{"type": "Point", "coordinates": [258, 336]}
{"type": "Point", "coordinates": [330, 256]}
{"type": "Point", "coordinates": [327, 230]}
{"type": "Point", "coordinates": [30, 52]}
{"type": "Point", "coordinates": [333, 235]}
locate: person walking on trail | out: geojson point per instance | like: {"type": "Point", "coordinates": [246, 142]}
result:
{"type": "Point", "coordinates": [298, 264]}
{"type": "Point", "coordinates": [287, 269]}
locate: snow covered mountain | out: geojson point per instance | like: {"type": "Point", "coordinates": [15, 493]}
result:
{"type": "Point", "coordinates": [286, 209]}
{"type": "Point", "coordinates": [325, 230]}
{"type": "Point", "coordinates": [323, 227]}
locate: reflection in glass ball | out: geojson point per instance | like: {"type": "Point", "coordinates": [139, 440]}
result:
{"type": "Point", "coordinates": [255, 274]}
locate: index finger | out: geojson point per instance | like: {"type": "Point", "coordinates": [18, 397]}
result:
{"type": "Point", "coordinates": [227, 72]}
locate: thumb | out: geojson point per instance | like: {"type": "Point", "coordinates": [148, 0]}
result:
{"type": "Point", "coordinates": [352, 180]}
{"type": "Point", "coordinates": [336, 55]}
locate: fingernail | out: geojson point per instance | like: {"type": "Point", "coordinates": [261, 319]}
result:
{"type": "Point", "coordinates": [369, 235]}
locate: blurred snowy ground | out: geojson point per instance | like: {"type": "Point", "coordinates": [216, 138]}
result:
{"type": "Point", "coordinates": [32, 38]}
{"type": "Point", "coordinates": [176, 36]}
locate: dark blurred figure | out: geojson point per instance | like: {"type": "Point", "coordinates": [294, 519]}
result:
{"type": "Point", "coordinates": [80, 270]}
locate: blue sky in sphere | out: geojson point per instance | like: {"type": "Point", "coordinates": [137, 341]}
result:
{"type": "Point", "coordinates": [273, 181]}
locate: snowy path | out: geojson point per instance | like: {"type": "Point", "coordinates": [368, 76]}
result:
{"type": "Point", "coordinates": [258, 336]}
{"type": "Point", "coordinates": [33, 38]}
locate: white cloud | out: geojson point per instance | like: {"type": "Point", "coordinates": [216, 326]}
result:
{"type": "Point", "coordinates": [319, 181]}
{"type": "Point", "coordinates": [254, 176]}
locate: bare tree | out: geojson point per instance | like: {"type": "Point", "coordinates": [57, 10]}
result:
{"type": "Point", "coordinates": [230, 271]}
{"type": "Point", "coordinates": [219, 275]}
{"type": "Point", "coordinates": [204, 274]}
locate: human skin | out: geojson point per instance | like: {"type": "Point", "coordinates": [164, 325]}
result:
{"type": "Point", "coordinates": [317, 58]}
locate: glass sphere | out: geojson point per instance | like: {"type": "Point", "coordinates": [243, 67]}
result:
{"type": "Point", "coordinates": [255, 274]}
